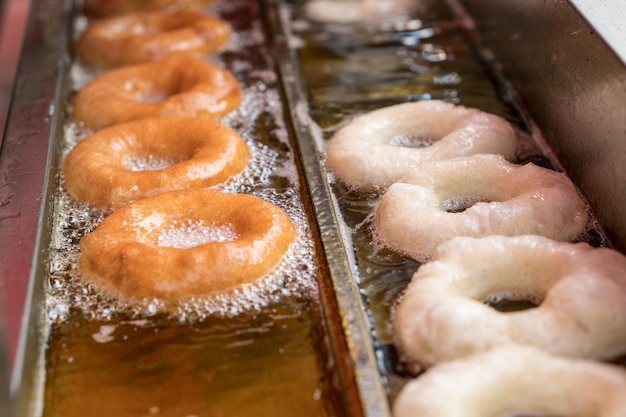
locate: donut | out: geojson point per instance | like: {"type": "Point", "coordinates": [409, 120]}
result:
{"type": "Point", "coordinates": [515, 381]}
{"type": "Point", "coordinates": [102, 8]}
{"type": "Point", "coordinates": [360, 11]}
{"type": "Point", "coordinates": [479, 195]}
{"type": "Point", "coordinates": [141, 37]}
{"type": "Point", "coordinates": [146, 157]}
{"type": "Point", "coordinates": [186, 243]}
{"type": "Point", "coordinates": [580, 293]}
{"type": "Point", "coordinates": [378, 148]}
{"type": "Point", "coordinates": [176, 86]}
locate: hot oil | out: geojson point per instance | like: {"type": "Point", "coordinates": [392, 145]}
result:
{"type": "Point", "coordinates": [349, 70]}
{"type": "Point", "coordinates": [190, 234]}
{"type": "Point", "coordinates": [148, 163]}
{"type": "Point", "coordinates": [260, 350]}
{"type": "Point", "coordinates": [248, 365]}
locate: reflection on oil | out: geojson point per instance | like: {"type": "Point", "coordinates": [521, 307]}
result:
{"type": "Point", "coordinates": [263, 365]}
{"type": "Point", "coordinates": [256, 352]}
{"type": "Point", "coordinates": [349, 70]}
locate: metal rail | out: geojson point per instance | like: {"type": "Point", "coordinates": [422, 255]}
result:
{"type": "Point", "coordinates": [26, 157]}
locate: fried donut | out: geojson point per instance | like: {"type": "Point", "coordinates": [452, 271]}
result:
{"type": "Point", "coordinates": [479, 195]}
{"type": "Point", "coordinates": [515, 381]}
{"type": "Point", "coordinates": [229, 240]}
{"type": "Point", "coordinates": [102, 8]}
{"type": "Point", "coordinates": [380, 147]}
{"type": "Point", "coordinates": [142, 37]}
{"type": "Point", "coordinates": [580, 292]}
{"type": "Point", "coordinates": [176, 153]}
{"type": "Point", "coordinates": [176, 86]}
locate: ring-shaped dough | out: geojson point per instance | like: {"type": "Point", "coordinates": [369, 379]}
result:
{"type": "Point", "coordinates": [515, 381]}
{"type": "Point", "coordinates": [380, 147]}
{"type": "Point", "coordinates": [103, 168]}
{"type": "Point", "coordinates": [102, 8]}
{"type": "Point", "coordinates": [176, 86]}
{"type": "Point", "coordinates": [126, 255]}
{"type": "Point", "coordinates": [581, 291]}
{"type": "Point", "coordinates": [360, 11]}
{"type": "Point", "coordinates": [142, 37]}
{"type": "Point", "coordinates": [430, 205]}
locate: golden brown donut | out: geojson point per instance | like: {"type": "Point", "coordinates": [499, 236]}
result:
{"type": "Point", "coordinates": [176, 86]}
{"type": "Point", "coordinates": [142, 37]}
{"type": "Point", "coordinates": [188, 153]}
{"type": "Point", "coordinates": [102, 8]}
{"type": "Point", "coordinates": [229, 240]}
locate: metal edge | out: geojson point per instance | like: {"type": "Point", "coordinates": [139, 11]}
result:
{"type": "Point", "coordinates": [5, 397]}
{"type": "Point", "coordinates": [355, 324]}
{"type": "Point", "coordinates": [27, 181]}
{"type": "Point", "coordinates": [607, 18]}
{"type": "Point", "coordinates": [27, 185]}
{"type": "Point", "coordinates": [573, 86]}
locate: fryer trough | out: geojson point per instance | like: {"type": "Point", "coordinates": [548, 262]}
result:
{"type": "Point", "coordinates": [556, 69]}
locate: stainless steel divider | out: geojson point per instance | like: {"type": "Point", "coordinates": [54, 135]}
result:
{"type": "Point", "coordinates": [5, 396]}
{"type": "Point", "coordinates": [27, 178]}
{"type": "Point", "coordinates": [353, 317]}
{"type": "Point", "coordinates": [573, 84]}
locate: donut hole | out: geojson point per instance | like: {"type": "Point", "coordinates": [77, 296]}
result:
{"type": "Point", "coordinates": [149, 91]}
{"type": "Point", "coordinates": [159, 87]}
{"type": "Point", "coordinates": [191, 234]}
{"type": "Point", "coordinates": [149, 162]}
{"type": "Point", "coordinates": [409, 141]}
{"type": "Point", "coordinates": [128, 27]}
{"type": "Point", "coordinates": [460, 204]}
{"type": "Point", "coordinates": [509, 302]}
{"type": "Point", "coordinates": [152, 97]}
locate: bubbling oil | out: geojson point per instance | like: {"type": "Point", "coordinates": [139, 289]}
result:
{"type": "Point", "coordinates": [271, 175]}
{"type": "Point", "coordinates": [406, 141]}
{"type": "Point", "coordinates": [258, 349]}
{"type": "Point", "coordinates": [350, 70]}
{"type": "Point", "coordinates": [189, 234]}
{"type": "Point", "coordinates": [148, 163]}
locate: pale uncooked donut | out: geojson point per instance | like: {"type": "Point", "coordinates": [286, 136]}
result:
{"type": "Point", "coordinates": [374, 150]}
{"type": "Point", "coordinates": [359, 11]}
{"type": "Point", "coordinates": [582, 290]}
{"type": "Point", "coordinates": [412, 217]}
{"type": "Point", "coordinates": [515, 381]}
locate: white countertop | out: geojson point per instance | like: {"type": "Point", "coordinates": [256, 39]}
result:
{"type": "Point", "coordinates": [608, 18]}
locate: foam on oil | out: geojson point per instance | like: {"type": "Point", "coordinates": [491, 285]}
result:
{"type": "Point", "coordinates": [270, 175]}
{"type": "Point", "coordinates": [189, 234]}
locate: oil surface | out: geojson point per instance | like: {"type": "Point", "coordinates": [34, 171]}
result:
{"type": "Point", "coordinates": [260, 350]}
{"type": "Point", "coordinates": [350, 69]}
{"type": "Point", "coordinates": [266, 365]}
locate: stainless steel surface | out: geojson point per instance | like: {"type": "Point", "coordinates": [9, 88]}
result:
{"type": "Point", "coordinates": [573, 85]}
{"type": "Point", "coordinates": [5, 398]}
{"type": "Point", "coordinates": [27, 186]}
{"type": "Point", "coordinates": [574, 88]}
{"type": "Point", "coordinates": [26, 158]}
{"type": "Point", "coordinates": [372, 396]}
{"type": "Point", "coordinates": [607, 18]}
{"type": "Point", "coordinates": [13, 16]}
